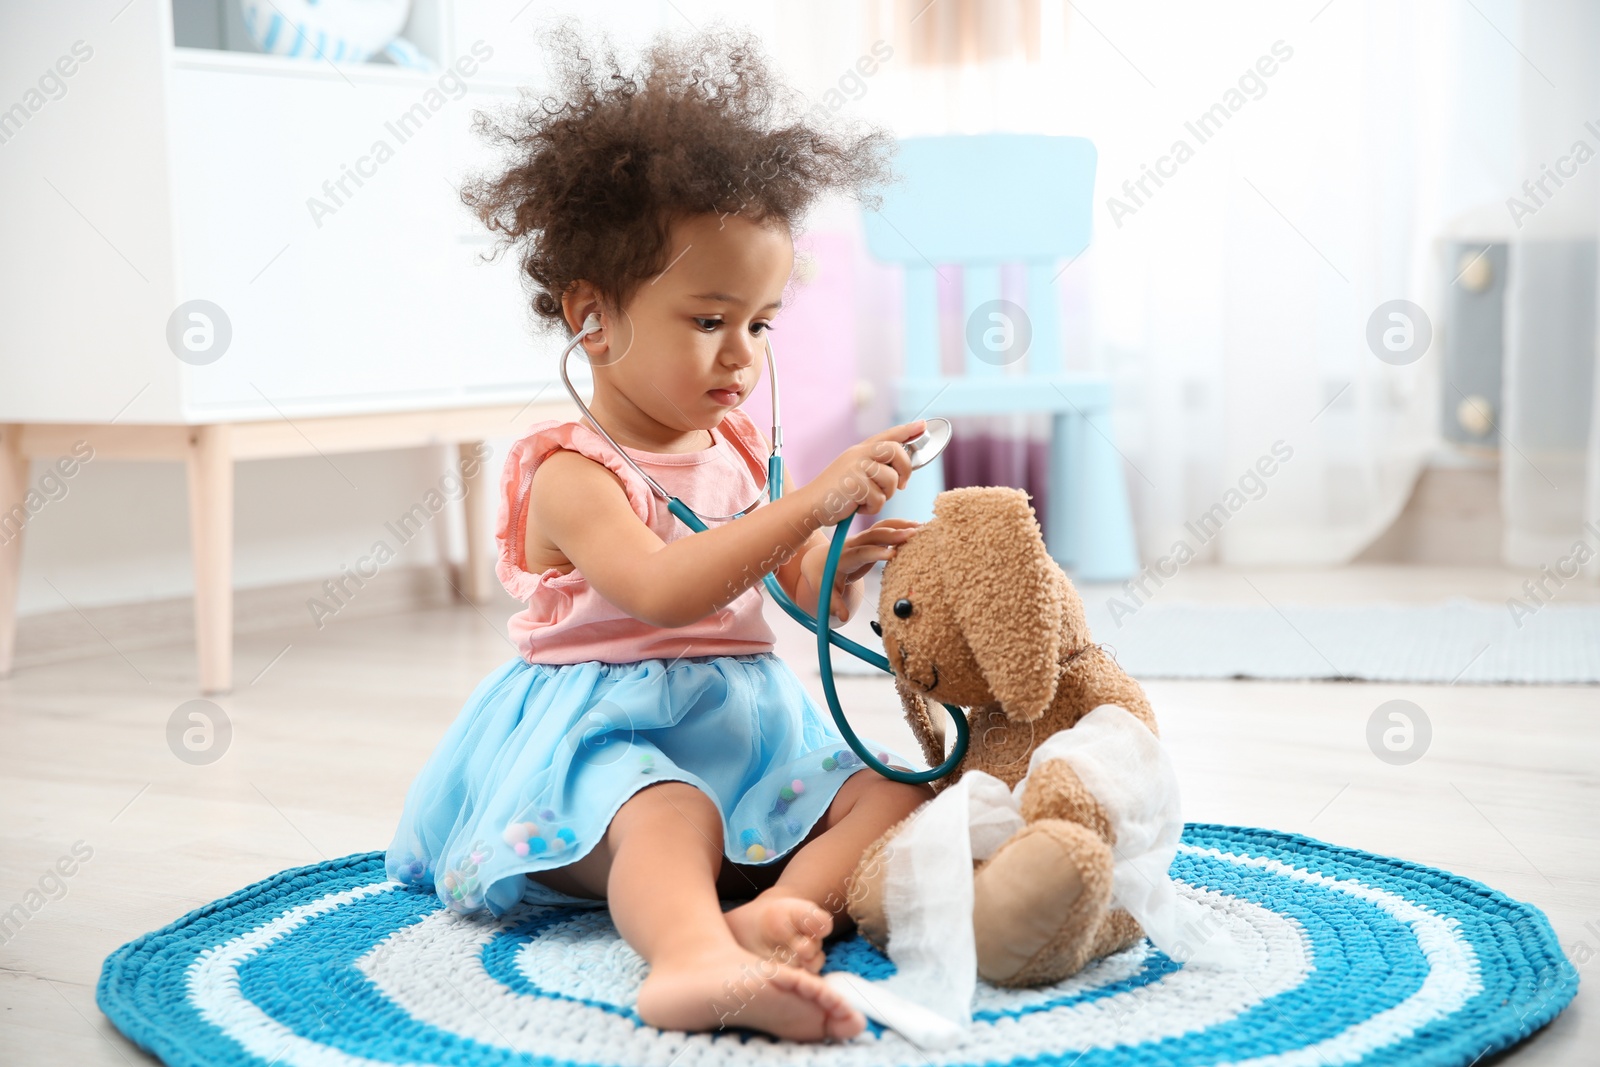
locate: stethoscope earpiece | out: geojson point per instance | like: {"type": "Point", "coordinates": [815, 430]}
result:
{"type": "Point", "coordinates": [770, 491]}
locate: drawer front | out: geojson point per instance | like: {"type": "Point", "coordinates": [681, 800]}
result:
{"type": "Point", "coordinates": [321, 217]}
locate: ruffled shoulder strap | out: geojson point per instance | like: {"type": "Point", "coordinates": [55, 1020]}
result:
{"type": "Point", "coordinates": [522, 459]}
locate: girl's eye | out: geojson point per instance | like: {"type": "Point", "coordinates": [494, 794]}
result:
{"type": "Point", "coordinates": [701, 322]}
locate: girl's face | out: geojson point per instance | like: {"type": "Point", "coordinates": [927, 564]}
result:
{"type": "Point", "coordinates": [689, 347]}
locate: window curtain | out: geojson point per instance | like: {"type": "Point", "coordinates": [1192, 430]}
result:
{"type": "Point", "coordinates": [967, 62]}
{"type": "Point", "coordinates": [1550, 447]}
{"type": "Point", "coordinates": [1230, 303]}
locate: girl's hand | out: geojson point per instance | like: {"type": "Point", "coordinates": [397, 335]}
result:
{"type": "Point", "coordinates": [865, 475]}
{"type": "Point", "coordinates": [861, 550]}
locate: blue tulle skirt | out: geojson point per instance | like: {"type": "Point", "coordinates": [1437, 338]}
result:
{"type": "Point", "coordinates": [535, 766]}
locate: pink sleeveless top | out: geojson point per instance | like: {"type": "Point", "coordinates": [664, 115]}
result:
{"type": "Point", "coordinates": [567, 621]}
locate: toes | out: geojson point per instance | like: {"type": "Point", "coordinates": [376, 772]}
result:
{"type": "Point", "coordinates": [810, 922]}
{"type": "Point", "coordinates": [843, 1020]}
{"type": "Point", "coordinates": [807, 953]}
{"type": "Point", "coordinates": [841, 1017]}
{"type": "Point", "coordinates": [813, 926]}
{"type": "Point", "coordinates": [789, 930]}
{"type": "Point", "coordinates": [800, 951]}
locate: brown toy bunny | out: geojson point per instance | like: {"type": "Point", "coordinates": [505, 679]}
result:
{"type": "Point", "coordinates": [975, 613]}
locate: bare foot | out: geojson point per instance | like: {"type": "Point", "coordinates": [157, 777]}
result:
{"type": "Point", "coordinates": [787, 929]}
{"type": "Point", "coordinates": [734, 987]}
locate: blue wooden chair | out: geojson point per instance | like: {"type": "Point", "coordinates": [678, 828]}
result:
{"type": "Point", "coordinates": [981, 201]}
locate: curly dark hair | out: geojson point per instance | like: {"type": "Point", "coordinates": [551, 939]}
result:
{"type": "Point", "coordinates": [596, 173]}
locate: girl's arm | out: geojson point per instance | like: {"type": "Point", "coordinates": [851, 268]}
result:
{"type": "Point", "coordinates": [790, 575]}
{"type": "Point", "coordinates": [581, 507]}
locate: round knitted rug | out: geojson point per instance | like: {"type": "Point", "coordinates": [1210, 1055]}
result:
{"type": "Point", "coordinates": [1357, 958]}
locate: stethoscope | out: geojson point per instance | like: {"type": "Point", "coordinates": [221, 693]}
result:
{"type": "Point", "coordinates": [922, 449]}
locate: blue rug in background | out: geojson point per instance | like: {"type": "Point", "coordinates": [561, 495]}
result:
{"type": "Point", "coordinates": [1458, 641]}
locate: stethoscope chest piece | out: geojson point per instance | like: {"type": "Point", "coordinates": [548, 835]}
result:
{"type": "Point", "coordinates": [935, 436]}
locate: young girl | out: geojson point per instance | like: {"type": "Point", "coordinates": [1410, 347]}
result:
{"type": "Point", "coordinates": [647, 751]}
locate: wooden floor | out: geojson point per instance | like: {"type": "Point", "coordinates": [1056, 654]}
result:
{"type": "Point", "coordinates": [336, 722]}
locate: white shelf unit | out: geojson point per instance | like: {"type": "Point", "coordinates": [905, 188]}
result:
{"type": "Point", "coordinates": [167, 174]}
{"type": "Point", "coordinates": [152, 174]}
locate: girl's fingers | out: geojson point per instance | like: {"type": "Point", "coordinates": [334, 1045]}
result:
{"type": "Point", "coordinates": [874, 536]}
{"type": "Point", "coordinates": [888, 527]}
{"type": "Point", "coordinates": [856, 562]}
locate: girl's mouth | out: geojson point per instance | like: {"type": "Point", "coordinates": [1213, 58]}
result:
{"type": "Point", "coordinates": [724, 396]}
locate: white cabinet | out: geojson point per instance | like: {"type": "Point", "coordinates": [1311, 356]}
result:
{"type": "Point", "coordinates": [314, 204]}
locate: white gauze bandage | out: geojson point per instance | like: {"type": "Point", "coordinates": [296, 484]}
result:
{"type": "Point", "coordinates": [928, 893]}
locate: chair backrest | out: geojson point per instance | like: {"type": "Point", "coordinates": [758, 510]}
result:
{"type": "Point", "coordinates": [980, 201]}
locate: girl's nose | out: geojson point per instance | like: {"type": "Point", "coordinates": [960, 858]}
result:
{"type": "Point", "coordinates": [740, 365]}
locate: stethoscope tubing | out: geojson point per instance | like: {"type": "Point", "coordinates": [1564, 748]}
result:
{"type": "Point", "coordinates": [826, 635]}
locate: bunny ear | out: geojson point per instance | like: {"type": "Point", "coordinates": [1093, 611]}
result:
{"type": "Point", "coordinates": [929, 733]}
{"type": "Point", "coordinates": [1006, 594]}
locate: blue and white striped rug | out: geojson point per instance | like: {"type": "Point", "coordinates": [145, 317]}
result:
{"type": "Point", "coordinates": [1359, 959]}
